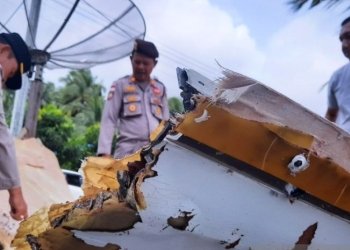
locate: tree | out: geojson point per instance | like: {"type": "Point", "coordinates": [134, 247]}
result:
{"type": "Point", "coordinates": [80, 146]}
{"type": "Point", "coordinates": [49, 94]}
{"type": "Point", "coordinates": [82, 97]}
{"type": "Point", "coordinates": [298, 4]}
{"type": "Point", "coordinates": [69, 118]}
{"type": "Point", "coordinates": [54, 129]}
{"type": "Point", "coordinates": [175, 105]}
{"type": "Point", "coordinates": [91, 138]}
{"type": "Point", "coordinates": [73, 152]}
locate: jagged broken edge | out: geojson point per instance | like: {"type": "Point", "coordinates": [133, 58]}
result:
{"type": "Point", "coordinates": [149, 154]}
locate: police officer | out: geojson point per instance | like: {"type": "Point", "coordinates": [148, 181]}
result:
{"type": "Point", "coordinates": [14, 61]}
{"type": "Point", "coordinates": [135, 105]}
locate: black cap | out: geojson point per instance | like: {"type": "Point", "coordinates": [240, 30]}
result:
{"type": "Point", "coordinates": [21, 52]}
{"type": "Point", "coordinates": [145, 48]}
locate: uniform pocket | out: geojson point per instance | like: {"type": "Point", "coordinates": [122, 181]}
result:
{"type": "Point", "coordinates": [131, 105]}
{"type": "Point", "coordinates": [157, 107]}
{"type": "Point", "coordinates": [157, 111]}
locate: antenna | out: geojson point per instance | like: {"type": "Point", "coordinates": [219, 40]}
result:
{"type": "Point", "coordinates": [74, 34]}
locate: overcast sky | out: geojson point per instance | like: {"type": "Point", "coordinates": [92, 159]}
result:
{"type": "Point", "coordinates": [294, 53]}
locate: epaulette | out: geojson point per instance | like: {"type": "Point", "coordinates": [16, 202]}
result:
{"type": "Point", "coordinates": [120, 79]}
{"type": "Point", "coordinates": [124, 77]}
{"type": "Point", "coordinates": [157, 80]}
{"type": "Point", "coordinates": [113, 86]}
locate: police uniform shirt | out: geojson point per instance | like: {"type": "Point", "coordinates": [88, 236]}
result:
{"type": "Point", "coordinates": [9, 176]}
{"type": "Point", "coordinates": [135, 110]}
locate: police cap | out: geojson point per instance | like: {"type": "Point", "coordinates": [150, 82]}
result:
{"type": "Point", "coordinates": [21, 52]}
{"type": "Point", "coordinates": [145, 48]}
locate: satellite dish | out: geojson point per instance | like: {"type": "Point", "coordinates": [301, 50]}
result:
{"type": "Point", "coordinates": [71, 34]}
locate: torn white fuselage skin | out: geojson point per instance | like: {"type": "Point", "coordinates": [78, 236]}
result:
{"type": "Point", "coordinates": [228, 206]}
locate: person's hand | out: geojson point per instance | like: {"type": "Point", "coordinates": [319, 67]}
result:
{"type": "Point", "coordinates": [17, 203]}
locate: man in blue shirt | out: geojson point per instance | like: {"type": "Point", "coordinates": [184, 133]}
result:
{"type": "Point", "coordinates": [339, 85]}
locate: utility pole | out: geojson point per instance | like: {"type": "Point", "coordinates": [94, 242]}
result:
{"type": "Point", "coordinates": [39, 58]}
{"type": "Point", "coordinates": [22, 94]}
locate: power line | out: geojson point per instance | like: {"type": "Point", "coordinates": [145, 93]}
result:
{"type": "Point", "coordinates": [182, 64]}
{"type": "Point", "coordinates": [178, 56]}
{"type": "Point", "coordinates": [189, 60]}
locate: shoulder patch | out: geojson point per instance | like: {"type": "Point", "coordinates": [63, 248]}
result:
{"type": "Point", "coordinates": [111, 92]}
{"type": "Point", "coordinates": [157, 88]}
{"type": "Point", "coordinates": [126, 76]}
{"type": "Point", "coordinates": [157, 80]}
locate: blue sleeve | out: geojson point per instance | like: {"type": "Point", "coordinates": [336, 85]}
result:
{"type": "Point", "coordinates": [332, 83]}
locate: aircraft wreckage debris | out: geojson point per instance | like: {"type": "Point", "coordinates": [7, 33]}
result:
{"type": "Point", "coordinates": [181, 222]}
{"type": "Point", "coordinates": [265, 149]}
{"type": "Point", "coordinates": [112, 197]}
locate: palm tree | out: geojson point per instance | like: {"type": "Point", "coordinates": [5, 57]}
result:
{"type": "Point", "coordinates": [82, 97]}
{"type": "Point", "coordinates": [49, 94]}
{"type": "Point", "coordinates": [298, 4]}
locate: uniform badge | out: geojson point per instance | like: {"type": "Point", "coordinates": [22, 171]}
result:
{"type": "Point", "coordinates": [156, 91]}
{"type": "Point", "coordinates": [129, 89]}
{"type": "Point", "coordinates": [156, 101]}
{"type": "Point", "coordinates": [132, 107]}
{"type": "Point", "coordinates": [111, 92]}
{"type": "Point", "coordinates": [132, 98]}
{"type": "Point", "coordinates": [158, 111]}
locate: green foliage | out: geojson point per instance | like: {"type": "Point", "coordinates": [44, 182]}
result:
{"type": "Point", "coordinates": [72, 153]}
{"type": "Point", "coordinates": [91, 137]}
{"type": "Point", "coordinates": [68, 122]}
{"type": "Point", "coordinates": [175, 105]}
{"type": "Point", "coordinates": [8, 100]}
{"type": "Point", "coordinates": [50, 95]}
{"type": "Point", "coordinates": [82, 97]}
{"type": "Point", "coordinates": [54, 129]}
{"type": "Point", "coordinates": [80, 146]}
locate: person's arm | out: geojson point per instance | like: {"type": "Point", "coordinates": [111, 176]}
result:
{"type": "Point", "coordinates": [17, 203]}
{"type": "Point", "coordinates": [332, 110]}
{"type": "Point", "coordinates": [109, 120]}
{"type": "Point", "coordinates": [9, 175]}
{"type": "Point", "coordinates": [332, 114]}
